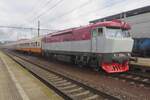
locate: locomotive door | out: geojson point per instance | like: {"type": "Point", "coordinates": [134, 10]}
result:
{"type": "Point", "coordinates": [96, 37]}
{"type": "Point", "coordinates": [94, 40]}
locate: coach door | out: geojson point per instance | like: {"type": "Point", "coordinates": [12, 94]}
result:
{"type": "Point", "coordinates": [96, 35]}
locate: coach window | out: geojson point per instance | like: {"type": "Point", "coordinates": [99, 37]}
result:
{"type": "Point", "coordinates": [38, 43]}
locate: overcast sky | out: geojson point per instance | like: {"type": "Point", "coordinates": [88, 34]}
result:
{"type": "Point", "coordinates": [56, 14]}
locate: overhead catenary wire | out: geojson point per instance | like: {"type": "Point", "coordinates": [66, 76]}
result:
{"type": "Point", "coordinates": [72, 10]}
{"type": "Point", "coordinates": [38, 5]}
{"type": "Point", "coordinates": [106, 7]}
{"type": "Point", "coordinates": [29, 28]}
{"type": "Point", "coordinates": [83, 14]}
{"type": "Point", "coordinates": [69, 12]}
{"type": "Point", "coordinates": [65, 14]}
{"type": "Point", "coordinates": [41, 7]}
{"type": "Point", "coordinates": [89, 12]}
{"type": "Point", "coordinates": [48, 10]}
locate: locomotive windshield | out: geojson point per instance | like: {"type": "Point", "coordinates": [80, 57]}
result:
{"type": "Point", "coordinates": [116, 32]}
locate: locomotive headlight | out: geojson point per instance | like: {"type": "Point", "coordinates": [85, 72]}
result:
{"type": "Point", "coordinates": [121, 55]}
{"type": "Point", "coordinates": [116, 55]}
{"type": "Point", "coordinates": [129, 54]}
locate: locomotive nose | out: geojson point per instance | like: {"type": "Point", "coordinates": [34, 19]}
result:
{"type": "Point", "coordinates": [120, 60]}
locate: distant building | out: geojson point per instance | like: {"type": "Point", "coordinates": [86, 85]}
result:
{"type": "Point", "coordinates": [139, 19]}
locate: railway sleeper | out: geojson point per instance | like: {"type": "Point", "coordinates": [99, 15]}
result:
{"type": "Point", "coordinates": [136, 78]}
{"type": "Point", "coordinates": [77, 92]}
{"type": "Point", "coordinates": [93, 97]}
{"type": "Point", "coordinates": [146, 80]}
{"type": "Point", "coordinates": [82, 94]}
{"type": "Point", "coordinates": [61, 81]}
{"type": "Point", "coordinates": [68, 87]}
{"type": "Point", "coordinates": [63, 84]}
{"type": "Point", "coordinates": [129, 76]}
{"type": "Point", "coordinates": [52, 77]}
{"type": "Point", "coordinates": [56, 79]}
{"type": "Point", "coordinates": [74, 90]}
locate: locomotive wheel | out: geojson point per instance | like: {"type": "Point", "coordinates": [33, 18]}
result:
{"type": "Point", "coordinates": [97, 67]}
{"type": "Point", "coordinates": [73, 60]}
{"type": "Point", "coordinates": [94, 63]}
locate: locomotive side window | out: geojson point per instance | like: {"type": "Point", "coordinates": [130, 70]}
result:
{"type": "Point", "coordinates": [100, 31]}
{"type": "Point", "coordinates": [97, 32]}
{"type": "Point", "coordinates": [94, 33]}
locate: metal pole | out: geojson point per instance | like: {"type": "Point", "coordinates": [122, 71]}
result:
{"type": "Point", "coordinates": [125, 16]}
{"type": "Point", "coordinates": [31, 32]}
{"type": "Point", "coordinates": [38, 28]}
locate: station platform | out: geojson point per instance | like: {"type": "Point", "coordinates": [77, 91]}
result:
{"type": "Point", "coordinates": [142, 63]}
{"type": "Point", "coordinates": [16, 83]}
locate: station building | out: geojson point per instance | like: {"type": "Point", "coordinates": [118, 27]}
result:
{"type": "Point", "coordinates": [139, 19]}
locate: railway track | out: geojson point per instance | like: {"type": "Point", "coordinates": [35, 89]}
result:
{"type": "Point", "coordinates": [133, 78]}
{"type": "Point", "coordinates": [68, 88]}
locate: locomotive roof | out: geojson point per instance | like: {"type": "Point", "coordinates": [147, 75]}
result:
{"type": "Point", "coordinates": [113, 23]}
{"type": "Point", "coordinates": [62, 32]}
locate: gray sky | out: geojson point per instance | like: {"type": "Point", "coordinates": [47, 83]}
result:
{"type": "Point", "coordinates": [56, 14]}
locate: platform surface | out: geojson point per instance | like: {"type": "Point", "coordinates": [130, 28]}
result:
{"type": "Point", "coordinates": [143, 62]}
{"type": "Point", "coordinates": [16, 83]}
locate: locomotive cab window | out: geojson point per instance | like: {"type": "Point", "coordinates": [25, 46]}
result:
{"type": "Point", "coordinates": [100, 31]}
{"type": "Point", "coordinates": [97, 32]}
{"type": "Point", "coordinates": [94, 33]}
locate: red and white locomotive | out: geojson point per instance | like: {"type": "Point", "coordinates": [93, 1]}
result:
{"type": "Point", "coordinates": [106, 45]}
